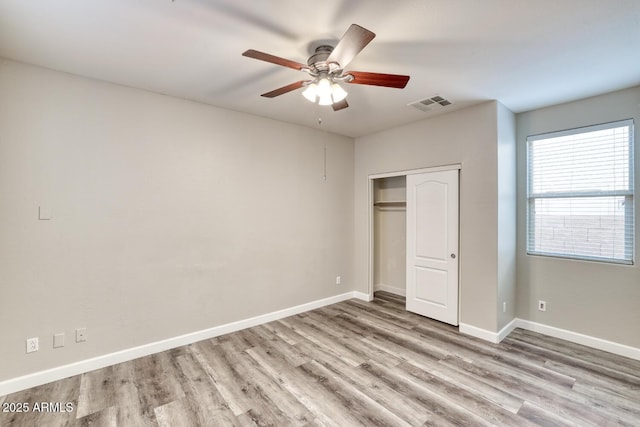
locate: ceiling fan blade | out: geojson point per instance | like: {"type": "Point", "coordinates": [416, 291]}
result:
{"type": "Point", "coordinates": [255, 54]}
{"type": "Point", "coordinates": [351, 43]}
{"type": "Point", "coordinates": [377, 79]}
{"type": "Point", "coordinates": [284, 89]}
{"type": "Point", "coordinates": [337, 106]}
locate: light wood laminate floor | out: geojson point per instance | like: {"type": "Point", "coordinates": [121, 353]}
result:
{"type": "Point", "coordinates": [351, 364]}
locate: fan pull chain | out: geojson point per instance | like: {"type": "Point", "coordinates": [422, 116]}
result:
{"type": "Point", "coordinates": [325, 164]}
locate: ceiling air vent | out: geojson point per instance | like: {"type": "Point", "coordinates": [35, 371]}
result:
{"type": "Point", "coordinates": [430, 104]}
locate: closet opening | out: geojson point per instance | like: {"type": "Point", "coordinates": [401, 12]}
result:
{"type": "Point", "coordinates": [389, 234]}
{"type": "Point", "coordinates": [414, 239]}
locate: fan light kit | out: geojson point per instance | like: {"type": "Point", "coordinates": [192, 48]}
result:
{"type": "Point", "coordinates": [324, 91]}
{"type": "Point", "coordinates": [326, 67]}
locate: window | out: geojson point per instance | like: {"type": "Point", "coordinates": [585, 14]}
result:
{"type": "Point", "coordinates": [580, 193]}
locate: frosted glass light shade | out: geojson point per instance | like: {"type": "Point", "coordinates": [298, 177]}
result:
{"type": "Point", "coordinates": [310, 92]}
{"type": "Point", "coordinates": [325, 99]}
{"type": "Point", "coordinates": [324, 87]}
{"type": "Point", "coordinates": [338, 93]}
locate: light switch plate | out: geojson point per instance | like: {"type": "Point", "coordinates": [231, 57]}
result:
{"type": "Point", "coordinates": [58, 340]}
{"type": "Point", "coordinates": [44, 213]}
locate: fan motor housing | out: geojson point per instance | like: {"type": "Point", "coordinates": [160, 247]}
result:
{"type": "Point", "coordinates": [318, 61]}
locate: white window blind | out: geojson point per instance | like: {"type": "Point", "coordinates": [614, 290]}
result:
{"type": "Point", "coordinates": [580, 193]}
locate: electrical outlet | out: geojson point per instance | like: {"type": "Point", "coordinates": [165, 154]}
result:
{"type": "Point", "coordinates": [32, 345]}
{"type": "Point", "coordinates": [338, 280]}
{"type": "Point", "coordinates": [504, 306]}
{"type": "Point", "coordinates": [81, 334]}
{"type": "Point", "coordinates": [542, 305]}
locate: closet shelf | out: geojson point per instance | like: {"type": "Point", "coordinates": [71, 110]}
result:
{"type": "Point", "coordinates": [391, 204]}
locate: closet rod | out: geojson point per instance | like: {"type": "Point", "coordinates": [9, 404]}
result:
{"type": "Point", "coordinates": [390, 204]}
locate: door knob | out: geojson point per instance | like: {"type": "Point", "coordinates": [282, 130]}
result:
{"type": "Point", "coordinates": [453, 256]}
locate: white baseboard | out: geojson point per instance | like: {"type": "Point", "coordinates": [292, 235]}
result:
{"type": "Point", "coordinates": [391, 289]}
{"type": "Point", "coordinates": [575, 337]}
{"type": "Point", "coordinates": [504, 332]}
{"type": "Point", "coordinates": [362, 296]}
{"type": "Point", "coordinates": [474, 331]}
{"type": "Point", "coordinates": [38, 378]}
{"type": "Point", "coordinates": [578, 338]}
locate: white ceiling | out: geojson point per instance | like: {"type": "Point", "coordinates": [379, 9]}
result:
{"type": "Point", "coordinates": [524, 53]}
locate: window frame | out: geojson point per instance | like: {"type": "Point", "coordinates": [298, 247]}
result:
{"type": "Point", "coordinates": [629, 195]}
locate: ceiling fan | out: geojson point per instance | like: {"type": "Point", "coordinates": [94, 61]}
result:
{"type": "Point", "coordinates": [326, 68]}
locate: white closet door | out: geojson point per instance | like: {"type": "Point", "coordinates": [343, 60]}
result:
{"type": "Point", "coordinates": [432, 245]}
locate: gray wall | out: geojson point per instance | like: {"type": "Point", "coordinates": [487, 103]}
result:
{"type": "Point", "coordinates": [171, 216]}
{"type": "Point", "coordinates": [168, 216]}
{"type": "Point", "coordinates": [596, 299]}
{"type": "Point", "coordinates": [469, 137]}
